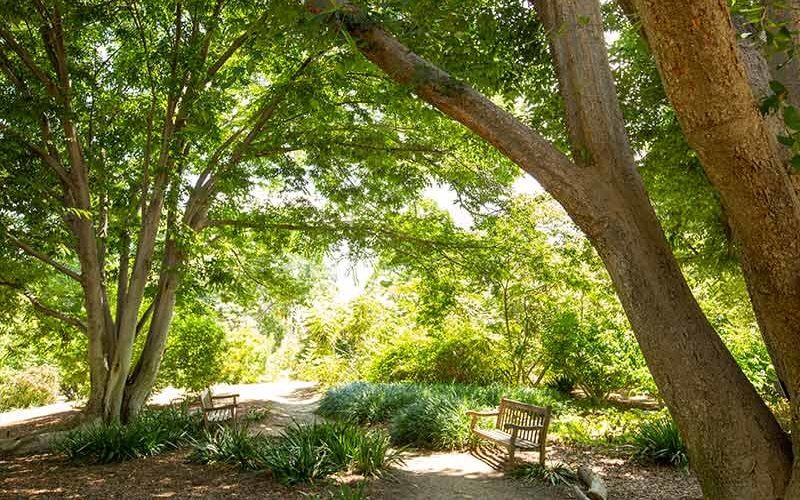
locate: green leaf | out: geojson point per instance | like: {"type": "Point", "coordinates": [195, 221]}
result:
{"type": "Point", "coordinates": [792, 117]}
{"type": "Point", "coordinates": [795, 163]}
{"type": "Point", "coordinates": [787, 140]}
{"type": "Point", "coordinates": [777, 87]}
{"type": "Point", "coordinates": [769, 105]}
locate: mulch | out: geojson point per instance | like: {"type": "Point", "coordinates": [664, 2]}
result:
{"type": "Point", "coordinates": [627, 478]}
{"type": "Point", "coordinates": [163, 476]}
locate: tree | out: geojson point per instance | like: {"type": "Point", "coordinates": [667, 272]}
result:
{"type": "Point", "coordinates": [717, 409]}
{"type": "Point", "coordinates": [142, 140]}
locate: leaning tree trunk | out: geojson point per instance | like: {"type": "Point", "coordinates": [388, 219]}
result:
{"type": "Point", "coordinates": [736, 446]}
{"type": "Point", "coordinates": [643, 267]}
{"type": "Point", "coordinates": [693, 42]}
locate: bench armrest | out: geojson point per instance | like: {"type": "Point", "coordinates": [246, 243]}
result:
{"type": "Point", "coordinates": [475, 413]}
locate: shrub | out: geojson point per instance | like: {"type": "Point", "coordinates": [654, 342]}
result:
{"type": "Point", "coordinates": [456, 356]}
{"type": "Point", "coordinates": [230, 445]}
{"type": "Point", "coordinates": [562, 383]}
{"type": "Point", "coordinates": [552, 475]}
{"type": "Point", "coordinates": [194, 353]}
{"type": "Point", "coordinates": [347, 492]}
{"type": "Point", "coordinates": [658, 440]}
{"type": "Point", "coordinates": [428, 416]}
{"type": "Point", "coordinates": [153, 432]}
{"type": "Point", "coordinates": [362, 402]}
{"type": "Point", "coordinates": [245, 360]}
{"type": "Point", "coordinates": [598, 426]}
{"type": "Point", "coordinates": [588, 352]}
{"type": "Point", "coordinates": [34, 386]}
{"type": "Point", "coordinates": [306, 453]}
{"type": "Point", "coordinates": [436, 421]}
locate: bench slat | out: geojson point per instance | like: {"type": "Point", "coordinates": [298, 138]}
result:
{"type": "Point", "coordinates": [504, 438]}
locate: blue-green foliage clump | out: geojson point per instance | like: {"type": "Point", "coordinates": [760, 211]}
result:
{"type": "Point", "coordinates": [301, 453]}
{"type": "Point", "coordinates": [154, 431]}
{"type": "Point", "coordinates": [658, 440]}
{"type": "Point", "coordinates": [425, 416]}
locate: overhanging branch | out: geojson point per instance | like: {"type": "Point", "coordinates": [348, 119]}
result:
{"type": "Point", "coordinates": [43, 257]}
{"type": "Point", "coordinates": [45, 309]}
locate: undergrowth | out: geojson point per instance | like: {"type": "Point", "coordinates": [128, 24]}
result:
{"type": "Point", "coordinates": [301, 453]}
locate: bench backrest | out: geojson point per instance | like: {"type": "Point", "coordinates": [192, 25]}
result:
{"type": "Point", "coordinates": [518, 413]}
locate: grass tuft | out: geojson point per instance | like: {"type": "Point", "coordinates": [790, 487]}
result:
{"type": "Point", "coordinates": [659, 441]}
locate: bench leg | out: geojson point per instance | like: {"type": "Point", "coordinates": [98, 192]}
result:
{"type": "Point", "coordinates": [511, 452]}
{"type": "Point", "coordinates": [541, 456]}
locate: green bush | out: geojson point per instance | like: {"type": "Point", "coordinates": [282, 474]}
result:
{"type": "Point", "coordinates": [245, 360]}
{"type": "Point", "coordinates": [462, 356]}
{"type": "Point", "coordinates": [301, 453]}
{"type": "Point", "coordinates": [588, 352]}
{"type": "Point", "coordinates": [562, 383]}
{"type": "Point", "coordinates": [424, 415]}
{"type": "Point", "coordinates": [153, 432]}
{"type": "Point", "coordinates": [658, 440]}
{"type": "Point", "coordinates": [194, 354]}
{"type": "Point", "coordinates": [348, 492]}
{"type": "Point", "coordinates": [231, 445]}
{"type": "Point", "coordinates": [362, 402]}
{"type": "Point", "coordinates": [435, 421]}
{"type": "Point", "coordinates": [34, 386]}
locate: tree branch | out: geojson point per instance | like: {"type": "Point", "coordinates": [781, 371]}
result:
{"type": "Point", "coordinates": [27, 60]}
{"type": "Point", "coordinates": [233, 47]}
{"type": "Point", "coordinates": [45, 309]}
{"type": "Point", "coordinates": [48, 159]}
{"type": "Point", "coordinates": [42, 257]}
{"type": "Point", "coordinates": [558, 175]}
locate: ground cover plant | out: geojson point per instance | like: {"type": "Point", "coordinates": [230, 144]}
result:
{"type": "Point", "coordinates": [300, 454]}
{"type": "Point", "coordinates": [154, 431]}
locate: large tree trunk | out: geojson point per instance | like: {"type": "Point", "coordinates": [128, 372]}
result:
{"type": "Point", "coordinates": [686, 357]}
{"type": "Point", "coordinates": [736, 446]}
{"type": "Point", "coordinates": [693, 42]}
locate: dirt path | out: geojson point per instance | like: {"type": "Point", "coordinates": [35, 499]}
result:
{"type": "Point", "coordinates": [451, 476]}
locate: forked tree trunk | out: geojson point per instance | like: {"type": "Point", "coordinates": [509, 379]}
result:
{"type": "Point", "coordinates": [143, 376]}
{"type": "Point", "coordinates": [702, 384]}
{"type": "Point", "coordinates": [737, 448]}
{"type": "Point", "coordinates": [692, 42]}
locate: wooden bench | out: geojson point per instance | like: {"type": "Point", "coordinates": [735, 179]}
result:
{"type": "Point", "coordinates": [519, 426]}
{"type": "Point", "coordinates": [216, 413]}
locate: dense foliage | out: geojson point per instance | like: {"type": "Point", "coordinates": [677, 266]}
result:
{"type": "Point", "coordinates": [34, 386]}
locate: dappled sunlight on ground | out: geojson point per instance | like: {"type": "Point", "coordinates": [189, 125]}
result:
{"type": "Point", "coordinates": [459, 475]}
